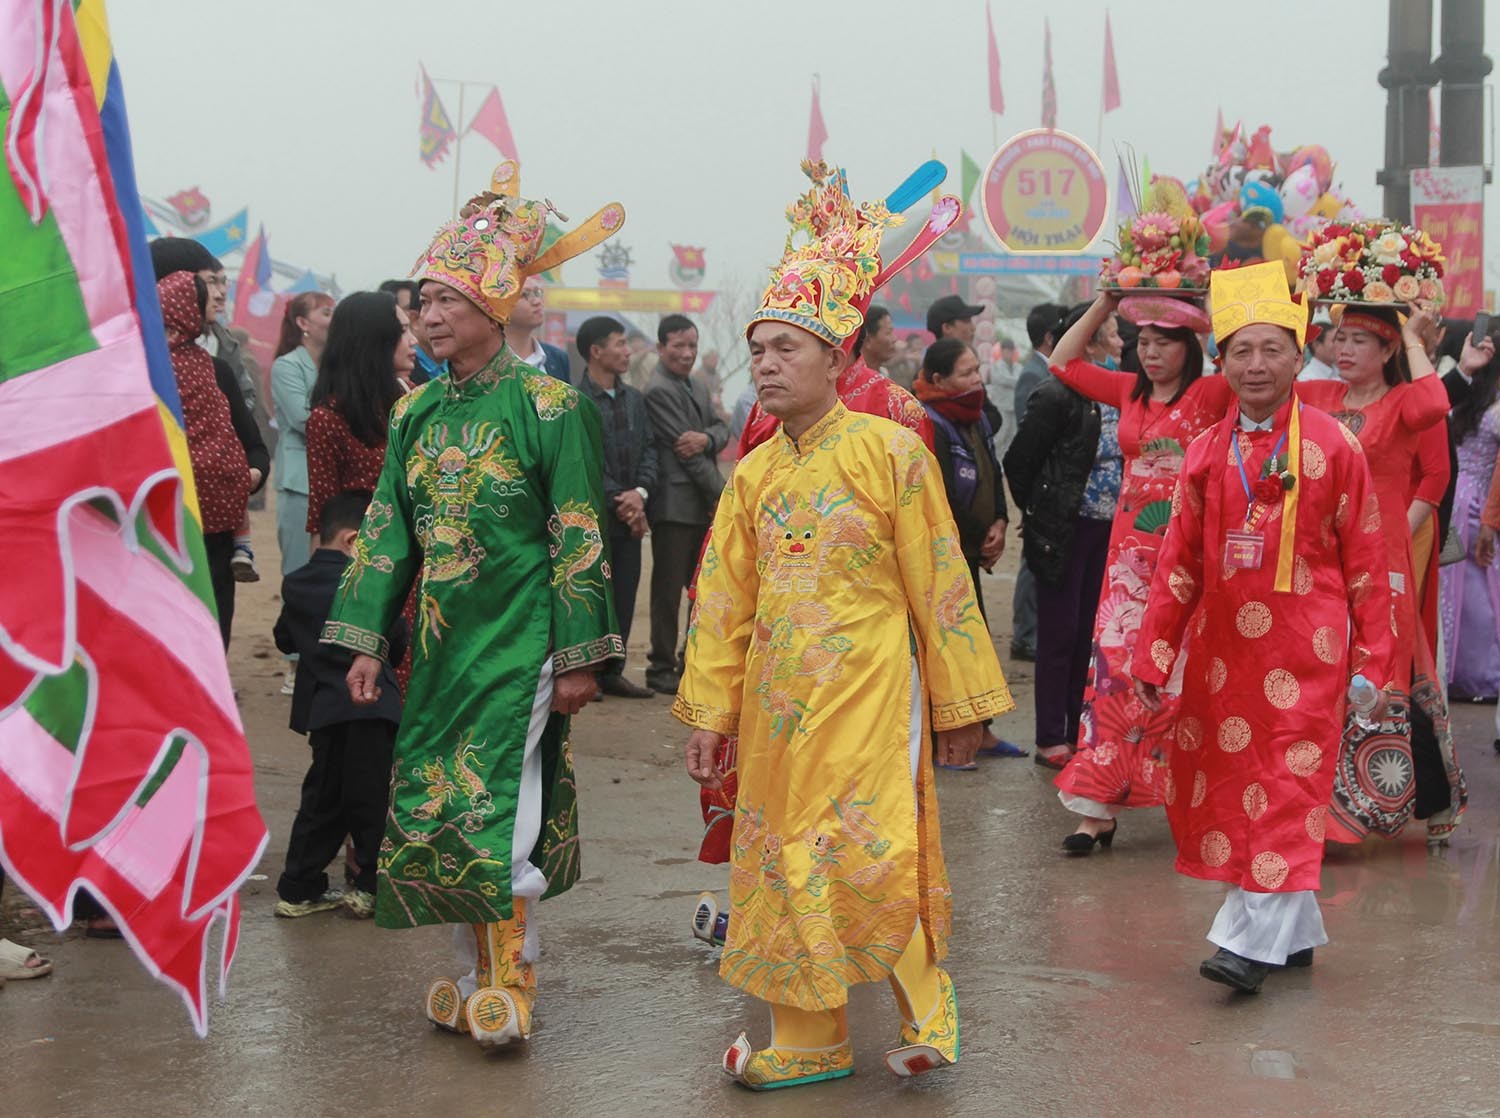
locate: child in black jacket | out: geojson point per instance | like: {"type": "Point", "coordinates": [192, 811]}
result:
{"type": "Point", "coordinates": [347, 787]}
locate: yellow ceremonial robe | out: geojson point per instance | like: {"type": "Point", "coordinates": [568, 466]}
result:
{"type": "Point", "coordinates": [836, 626]}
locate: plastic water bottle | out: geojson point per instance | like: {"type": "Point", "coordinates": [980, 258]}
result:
{"type": "Point", "coordinates": [1363, 698]}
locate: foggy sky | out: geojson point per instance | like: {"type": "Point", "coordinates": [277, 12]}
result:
{"type": "Point", "coordinates": [694, 115]}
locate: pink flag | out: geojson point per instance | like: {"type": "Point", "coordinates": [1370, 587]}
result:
{"type": "Point", "coordinates": [1049, 90]}
{"type": "Point", "coordinates": [817, 131]}
{"type": "Point", "coordinates": [490, 123]}
{"type": "Point", "coordinates": [997, 98]}
{"type": "Point", "coordinates": [1111, 75]}
{"type": "Point", "coordinates": [1218, 132]}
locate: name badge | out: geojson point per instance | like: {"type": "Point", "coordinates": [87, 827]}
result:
{"type": "Point", "coordinates": [1244, 551]}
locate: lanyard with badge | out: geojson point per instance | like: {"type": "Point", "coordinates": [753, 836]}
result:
{"type": "Point", "coordinates": [1245, 550]}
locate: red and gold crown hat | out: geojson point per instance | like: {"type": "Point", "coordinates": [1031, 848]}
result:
{"type": "Point", "coordinates": [496, 242]}
{"type": "Point", "coordinates": [832, 265]}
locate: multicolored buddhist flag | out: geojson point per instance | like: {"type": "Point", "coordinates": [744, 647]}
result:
{"type": "Point", "coordinates": [1049, 89]}
{"type": "Point", "coordinates": [124, 768]}
{"type": "Point", "coordinates": [437, 133]}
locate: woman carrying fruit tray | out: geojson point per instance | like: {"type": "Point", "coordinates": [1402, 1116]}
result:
{"type": "Point", "coordinates": [1124, 750]}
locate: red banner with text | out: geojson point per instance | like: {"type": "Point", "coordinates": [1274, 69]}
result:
{"type": "Point", "coordinates": [1448, 204]}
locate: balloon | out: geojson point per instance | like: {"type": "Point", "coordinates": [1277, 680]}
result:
{"type": "Point", "coordinates": [1259, 195]}
{"type": "Point", "coordinates": [1216, 223]}
{"type": "Point", "coordinates": [1278, 244]}
{"type": "Point", "coordinates": [1259, 153]}
{"type": "Point", "coordinates": [1327, 206]}
{"type": "Point", "coordinates": [1300, 191]}
{"type": "Point", "coordinates": [1316, 156]}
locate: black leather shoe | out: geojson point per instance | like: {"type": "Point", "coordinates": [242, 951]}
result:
{"type": "Point", "coordinates": [1081, 842]}
{"type": "Point", "coordinates": [622, 688]}
{"type": "Point", "coordinates": [1234, 971]}
{"type": "Point", "coordinates": [1022, 652]}
{"type": "Point", "coordinates": [1301, 958]}
{"type": "Point", "coordinates": [661, 685]}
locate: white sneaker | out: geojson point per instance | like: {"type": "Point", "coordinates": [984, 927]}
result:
{"type": "Point", "coordinates": [289, 682]}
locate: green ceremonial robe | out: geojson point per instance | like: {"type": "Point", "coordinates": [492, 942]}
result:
{"type": "Point", "coordinates": [490, 500]}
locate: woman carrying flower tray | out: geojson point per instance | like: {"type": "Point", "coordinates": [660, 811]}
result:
{"type": "Point", "coordinates": [1123, 749]}
{"type": "Point", "coordinates": [1389, 400]}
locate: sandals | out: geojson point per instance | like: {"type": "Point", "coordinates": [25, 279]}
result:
{"type": "Point", "coordinates": [14, 959]}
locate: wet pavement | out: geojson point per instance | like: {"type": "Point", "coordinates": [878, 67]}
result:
{"type": "Point", "coordinates": [1077, 979]}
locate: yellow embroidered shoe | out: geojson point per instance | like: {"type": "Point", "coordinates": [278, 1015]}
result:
{"type": "Point", "coordinates": [445, 1006]}
{"type": "Point", "coordinates": [786, 1067]}
{"type": "Point", "coordinates": [497, 1015]}
{"type": "Point", "coordinates": [933, 1044]}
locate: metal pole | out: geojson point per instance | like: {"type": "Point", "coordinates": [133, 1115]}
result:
{"type": "Point", "coordinates": [1406, 78]}
{"type": "Point", "coordinates": [458, 144]}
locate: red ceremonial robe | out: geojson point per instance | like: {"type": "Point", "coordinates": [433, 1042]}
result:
{"type": "Point", "coordinates": [1264, 685]}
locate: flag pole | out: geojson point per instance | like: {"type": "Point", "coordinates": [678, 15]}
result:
{"type": "Point", "coordinates": [458, 144]}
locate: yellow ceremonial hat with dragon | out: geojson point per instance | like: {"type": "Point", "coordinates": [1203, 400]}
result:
{"type": "Point", "coordinates": [496, 242]}
{"type": "Point", "coordinates": [832, 265]}
{"type": "Point", "coordinates": [1257, 293]}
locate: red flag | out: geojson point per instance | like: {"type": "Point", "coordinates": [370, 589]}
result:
{"type": "Point", "coordinates": [817, 131]}
{"type": "Point", "coordinates": [258, 309]}
{"type": "Point", "coordinates": [997, 98]}
{"type": "Point", "coordinates": [490, 123]}
{"type": "Point", "coordinates": [437, 129]}
{"type": "Point", "coordinates": [1111, 75]}
{"type": "Point", "coordinates": [1049, 91]}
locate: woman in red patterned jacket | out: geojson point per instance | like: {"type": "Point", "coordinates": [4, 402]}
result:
{"type": "Point", "coordinates": [366, 367]}
{"type": "Point", "coordinates": [368, 353]}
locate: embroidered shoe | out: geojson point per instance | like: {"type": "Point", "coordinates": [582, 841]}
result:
{"type": "Point", "coordinates": [709, 924]}
{"type": "Point", "coordinates": [771, 1068]}
{"type": "Point", "coordinates": [497, 1015]}
{"type": "Point", "coordinates": [360, 904]}
{"type": "Point", "coordinates": [445, 1006]}
{"type": "Point", "coordinates": [291, 910]}
{"type": "Point", "coordinates": [932, 1045]}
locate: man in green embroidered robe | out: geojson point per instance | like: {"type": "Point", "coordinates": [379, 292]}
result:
{"type": "Point", "coordinates": [490, 504]}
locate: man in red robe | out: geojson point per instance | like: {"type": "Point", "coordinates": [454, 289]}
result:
{"type": "Point", "coordinates": [1273, 581]}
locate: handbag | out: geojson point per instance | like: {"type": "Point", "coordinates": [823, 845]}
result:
{"type": "Point", "coordinates": [1453, 548]}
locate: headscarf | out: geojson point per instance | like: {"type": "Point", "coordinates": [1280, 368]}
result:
{"type": "Point", "coordinates": [221, 472]}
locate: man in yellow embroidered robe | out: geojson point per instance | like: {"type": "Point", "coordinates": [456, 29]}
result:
{"type": "Point", "coordinates": [836, 626]}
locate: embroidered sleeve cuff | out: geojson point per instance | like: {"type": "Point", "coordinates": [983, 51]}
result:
{"type": "Point", "coordinates": [976, 708]}
{"type": "Point", "coordinates": [575, 656]}
{"type": "Point", "coordinates": [356, 639]}
{"type": "Point", "coordinates": [701, 716]}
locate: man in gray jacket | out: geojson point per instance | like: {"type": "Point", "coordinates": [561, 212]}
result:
{"type": "Point", "coordinates": [689, 437]}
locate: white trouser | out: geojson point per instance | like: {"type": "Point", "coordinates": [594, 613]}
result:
{"type": "Point", "coordinates": [1267, 927]}
{"type": "Point", "coordinates": [526, 880]}
{"type": "Point", "coordinates": [1082, 805]}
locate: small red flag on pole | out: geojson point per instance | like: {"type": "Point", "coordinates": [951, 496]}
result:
{"type": "Point", "coordinates": [1049, 90]}
{"type": "Point", "coordinates": [817, 131]}
{"type": "Point", "coordinates": [490, 122]}
{"type": "Point", "coordinates": [1111, 75]}
{"type": "Point", "coordinates": [997, 96]}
